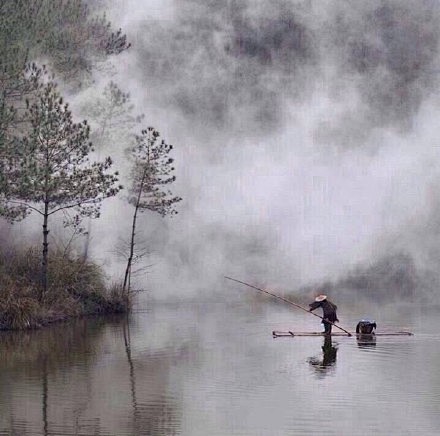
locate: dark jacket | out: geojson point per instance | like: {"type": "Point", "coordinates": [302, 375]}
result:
{"type": "Point", "coordinates": [328, 309]}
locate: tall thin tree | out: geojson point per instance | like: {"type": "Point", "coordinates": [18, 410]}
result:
{"type": "Point", "coordinates": [151, 174]}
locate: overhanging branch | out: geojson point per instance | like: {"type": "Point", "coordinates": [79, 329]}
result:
{"type": "Point", "coordinates": [26, 205]}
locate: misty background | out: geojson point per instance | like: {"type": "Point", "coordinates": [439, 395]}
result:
{"type": "Point", "coordinates": [306, 144]}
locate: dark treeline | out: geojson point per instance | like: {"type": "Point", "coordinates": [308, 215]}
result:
{"type": "Point", "coordinates": [52, 166]}
{"type": "Point", "coordinates": [388, 279]}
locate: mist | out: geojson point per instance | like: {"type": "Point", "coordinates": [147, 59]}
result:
{"type": "Point", "coordinates": [305, 141]}
{"type": "Point", "coordinates": [304, 132]}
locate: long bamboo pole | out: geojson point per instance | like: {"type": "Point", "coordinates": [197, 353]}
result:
{"type": "Point", "coordinates": [288, 302]}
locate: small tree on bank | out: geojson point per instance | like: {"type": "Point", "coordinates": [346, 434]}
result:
{"type": "Point", "coordinates": [151, 174]}
{"type": "Point", "coordinates": [47, 170]}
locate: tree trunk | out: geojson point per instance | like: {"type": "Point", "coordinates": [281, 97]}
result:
{"type": "Point", "coordinates": [45, 251]}
{"type": "Point", "coordinates": [87, 241]}
{"type": "Point", "coordinates": [126, 287]}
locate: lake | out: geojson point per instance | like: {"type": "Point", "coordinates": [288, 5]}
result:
{"type": "Point", "coordinates": [214, 369]}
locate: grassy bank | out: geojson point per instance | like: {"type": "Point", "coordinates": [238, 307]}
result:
{"type": "Point", "coordinates": [76, 288]}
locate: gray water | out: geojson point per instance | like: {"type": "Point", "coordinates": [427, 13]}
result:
{"type": "Point", "coordinates": [214, 369]}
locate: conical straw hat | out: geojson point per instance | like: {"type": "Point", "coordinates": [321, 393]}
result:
{"type": "Point", "coordinates": [321, 298]}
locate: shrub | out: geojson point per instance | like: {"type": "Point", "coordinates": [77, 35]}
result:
{"type": "Point", "coordinates": [17, 309]}
{"type": "Point", "coordinates": [76, 288]}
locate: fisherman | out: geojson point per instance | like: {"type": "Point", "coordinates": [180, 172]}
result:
{"type": "Point", "coordinates": [329, 312]}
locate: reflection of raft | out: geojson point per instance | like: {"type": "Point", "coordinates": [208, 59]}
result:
{"type": "Point", "coordinates": [289, 334]}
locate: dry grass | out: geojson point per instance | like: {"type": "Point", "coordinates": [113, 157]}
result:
{"type": "Point", "coordinates": [76, 288]}
{"type": "Point", "coordinates": [18, 308]}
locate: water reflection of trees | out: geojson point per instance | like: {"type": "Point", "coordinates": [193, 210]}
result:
{"type": "Point", "coordinates": [45, 396]}
{"type": "Point", "coordinates": [88, 378]}
{"type": "Point", "coordinates": [322, 365]}
{"type": "Point", "coordinates": [34, 365]}
{"type": "Point", "coordinates": [154, 412]}
{"type": "Point", "coordinates": [58, 346]}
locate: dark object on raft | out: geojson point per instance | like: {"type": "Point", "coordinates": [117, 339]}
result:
{"type": "Point", "coordinates": [366, 326]}
{"type": "Point", "coordinates": [289, 334]}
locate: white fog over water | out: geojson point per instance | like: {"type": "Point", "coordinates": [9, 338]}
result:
{"type": "Point", "coordinates": [305, 135]}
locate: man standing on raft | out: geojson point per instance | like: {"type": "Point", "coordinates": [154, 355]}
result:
{"type": "Point", "coordinates": [329, 312]}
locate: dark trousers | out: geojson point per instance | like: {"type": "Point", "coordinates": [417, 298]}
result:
{"type": "Point", "coordinates": [327, 327]}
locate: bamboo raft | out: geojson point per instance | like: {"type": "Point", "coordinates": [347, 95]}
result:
{"type": "Point", "coordinates": [289, 334]}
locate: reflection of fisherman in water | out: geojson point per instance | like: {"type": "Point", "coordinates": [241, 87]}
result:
{"type": "Point", "coordinates": [329, 352]}
{"type": "Point", "coordinates": [328, 309]}
{"type": "Point", "coordinates": [366, 341]}
{"type": "Point", "coordinates": [328, 357]}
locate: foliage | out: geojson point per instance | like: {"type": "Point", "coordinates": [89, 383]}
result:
{"type": "Point", "coordinates": [65, 32]}
{"type": "Point", "coordinates": [15, 85]}
{"type": "Point", "coordinates": [17, 311]}
{"type": "Point", "coordinates": [47, 170]}
{"type": "Point", "coordinates": [112, 113]}
{"type": "Point", "coordinates": [50, 164]}
{"type": "Point", "coordinates": [44, 164]}
{"type": "Point", "coordinates": [76, 288]}
{"type": "Point", "coordinates": [151, 174]}
{"type": "Point", "coordinates": [113, 121]}
{"type": "Point", "coordinates": [22, 267]}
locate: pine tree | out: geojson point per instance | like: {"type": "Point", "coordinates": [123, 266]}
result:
{"type": "Point", "coordinates": [47, 169]}
{"type": "Point", "coordinates": [68, 34]}
{"type": "Point", "coordinates": [113, 120]}
{"type": "Point", "coordinates": [112, 113]}
{"type": "Point", "coordinates": [151, 174]}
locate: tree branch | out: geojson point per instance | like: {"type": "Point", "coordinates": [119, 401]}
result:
{"type": "Point", "coordinates": [25, 205]}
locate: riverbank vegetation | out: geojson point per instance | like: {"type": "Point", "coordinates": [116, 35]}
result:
{"type": "Point", "coordinates": [76, 288]}
{"type": "Point", "coordinates": [51, 164]}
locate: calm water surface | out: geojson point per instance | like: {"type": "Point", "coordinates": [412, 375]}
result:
{"type": "Point", "coordinates": [214, 369]}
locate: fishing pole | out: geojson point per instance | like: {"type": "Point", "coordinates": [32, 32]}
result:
{"type": "Point", "coordinates": [288, 302]}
